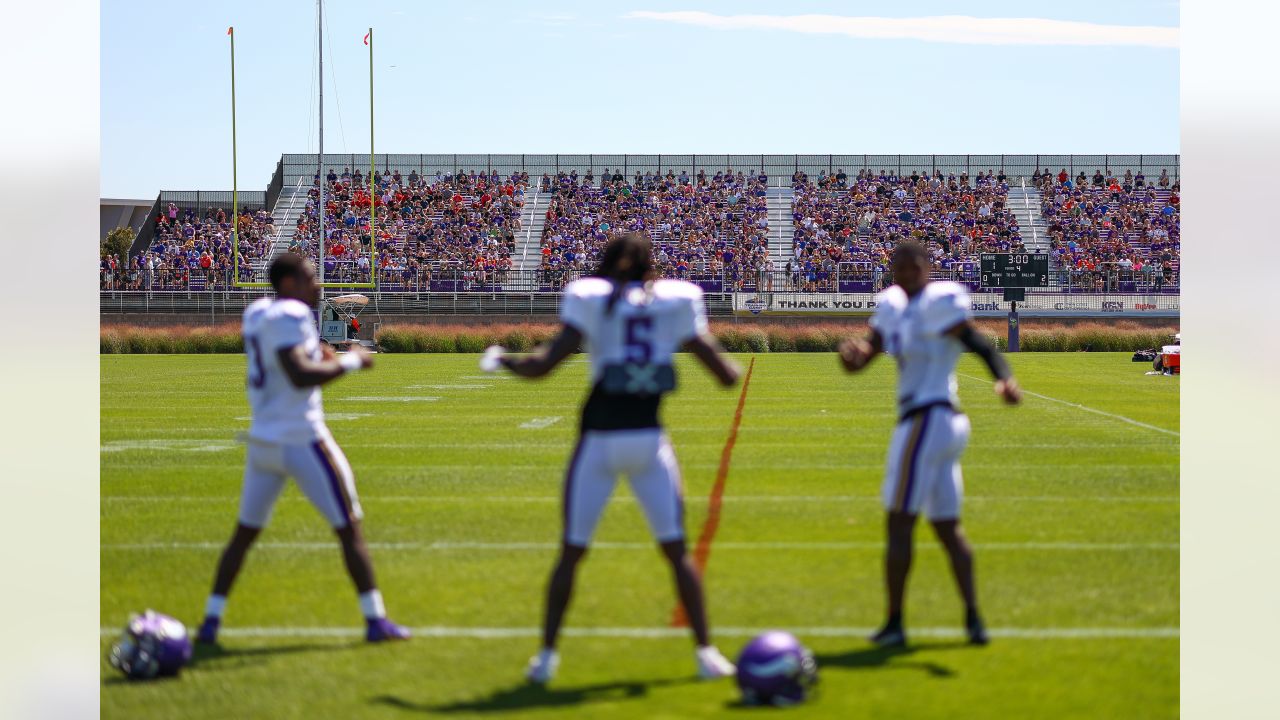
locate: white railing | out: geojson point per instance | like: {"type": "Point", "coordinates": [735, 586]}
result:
{"type": "Point", "coordinates": [284, 223]}
{"type": "Point", "coordinates": [528, 231]}
{"type": "Point", "coordinates": [1026, 205]}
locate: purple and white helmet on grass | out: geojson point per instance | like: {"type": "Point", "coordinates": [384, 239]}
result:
{"type": "Point", "coordinates": [152, 645]}
{"type": "Point", "coordinates": [775, 669]}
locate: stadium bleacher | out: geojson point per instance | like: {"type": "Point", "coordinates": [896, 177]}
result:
{"type": "Point", "coordinates": [845, 228]}
{"type": "Point", "coordinates": [191, 250]}
{"type": "Point", "coordinates": [711, 230]}
{"type": "Point", "coordinates": [1114, 234]}
{"type": "Point", "coordinates": [727, 230]}
{"type": "Point", "coordinates": [459, 226]}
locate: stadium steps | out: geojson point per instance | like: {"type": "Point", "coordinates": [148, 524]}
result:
{"type": "Point", "coordinates": [1024, 203]}
{"type": "Point", "coordinates": [284, 217]}
{"type": "Point", "coordinates": [781, 230]}
{"type": "Point", "coordinates": [528, 251]}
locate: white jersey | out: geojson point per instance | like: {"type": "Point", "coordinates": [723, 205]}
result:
{"type": "Point", "coordinates": [644, 327]}
{"type": "Point", "coordinates": [912, 330]}
{"type": "Point", "coordinates": [282, 412]}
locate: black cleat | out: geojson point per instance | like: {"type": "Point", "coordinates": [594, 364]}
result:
{"type": "Point", "coordinates": [890, 636]}
{"type": "Point", "coordinates": [976, 630]}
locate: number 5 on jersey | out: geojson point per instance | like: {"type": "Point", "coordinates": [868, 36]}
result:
{"type": "Point", "coordinates": [638, 345]}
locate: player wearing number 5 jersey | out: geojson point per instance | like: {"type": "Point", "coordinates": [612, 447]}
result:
{"type": "Point", "coordinates": [631, 324]}
{"type": "Point", "coordinates": [288, 438]}
{"type": "Point", "coordinates": [925, 326]}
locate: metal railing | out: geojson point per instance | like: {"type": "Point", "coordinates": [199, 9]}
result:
{"type": "Point", "coordinates": [779, 168]}
{"type": "Point", "coordinates": [847, 277]}
{"type": "Point", "coordinates": [528, 231]}
{"type": "Point", "coordinates": [202, 200]}
{"type": "Point", "coordinates": [1113, 277]}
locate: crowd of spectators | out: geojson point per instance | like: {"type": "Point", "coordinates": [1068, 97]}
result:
{"type": "Point", "coordinates": [846, 228]}
{"type": "Point", "coordinates": [704, 228]}
{"type": "Point", "coordinates": [1110, 233]}
{"type": "Point", "coordinates": [449, 225]}
{"type": "Point", "coordinates": [1106, 232]}
{"type": "Point", "coordinates": [191, 250]}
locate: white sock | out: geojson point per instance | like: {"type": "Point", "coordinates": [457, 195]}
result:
{"type": "Point", "coordinates": [214, 606]}
{"type": "Point", "coordinates": [371, 605]}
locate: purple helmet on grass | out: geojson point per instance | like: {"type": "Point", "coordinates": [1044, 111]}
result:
{"type": "Point", "coordinates": [152, 645]}
{"type": "Point", "coordinates": [775, 669]}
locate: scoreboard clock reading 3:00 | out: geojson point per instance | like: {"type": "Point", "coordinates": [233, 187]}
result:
{"type": "Point", "coordinates": [1013, 270]}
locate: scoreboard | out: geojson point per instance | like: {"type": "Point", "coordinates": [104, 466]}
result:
{"type": "Point", "coordinates": [1014, 270]}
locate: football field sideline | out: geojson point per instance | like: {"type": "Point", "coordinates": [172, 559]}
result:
{"type": "Point", "coordinates": [1086, 408]}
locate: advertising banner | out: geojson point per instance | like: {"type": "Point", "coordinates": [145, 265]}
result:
{"type": "Point", "coordinates": [985, 304]}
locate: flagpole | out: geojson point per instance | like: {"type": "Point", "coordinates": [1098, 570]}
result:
{"type": "Point", "coordinates": [320, 162]}
{"type": "Point", "coordinates": [373, 190]}
{"type": "Point", "coordinates": [235, 195]}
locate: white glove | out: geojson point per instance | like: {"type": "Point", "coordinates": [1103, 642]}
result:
{"type": "Point", "coordinates": [490, 362]}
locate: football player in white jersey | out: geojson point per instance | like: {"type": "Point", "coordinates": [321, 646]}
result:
{"type": "Point", "coordinates": [288, 438]}
{"type": "Point", "coordinates": [925, 326]}
{"type": "Point", "coordinates": [631, 324]}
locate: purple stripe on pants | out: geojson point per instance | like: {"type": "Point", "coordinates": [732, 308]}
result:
{"type": "Point", "coordinates": [333, 479]}
{"type": "Point", "coordinates": [915, 454]}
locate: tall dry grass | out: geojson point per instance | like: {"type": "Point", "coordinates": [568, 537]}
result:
{"type": "Point", "coordinates": [177, 339]}
{"type": "Point", "coordinates": [1035, 336]}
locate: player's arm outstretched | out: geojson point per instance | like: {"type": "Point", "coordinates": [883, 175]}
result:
{"type": "Point", "coordinates": [857, 353]}
{"type": "Point", "coordinates": [706, 348]}
{"type": "Point", "coordinates": [548, 355]}
{"type": "Point", "coordinates": [1006, 386]}
{"type": "Point", "coordinates": [305, 372]}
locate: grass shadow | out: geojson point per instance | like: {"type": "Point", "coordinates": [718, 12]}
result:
{"type": "Point", "coordinates": [529, 695]}
{"type": "Point", "coordinates": [891, 658]}
{"type": "Point", "coordinates": [212, 657]}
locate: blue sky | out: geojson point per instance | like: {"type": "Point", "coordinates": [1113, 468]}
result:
{"type": "Point", "coordinates": [644, 77]}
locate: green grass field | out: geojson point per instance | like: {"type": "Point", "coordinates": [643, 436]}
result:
{"type": "Point", "coordinates": [1073, 512]}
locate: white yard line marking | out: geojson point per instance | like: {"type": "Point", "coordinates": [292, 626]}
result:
{"type": "Point", "coordinates": [172, 445]}
{"type": "Point", "coordinates": [499, 633]}
{"type": "Point", "coordinates": [327, 416]}
{"type": "Point", "coordinates": [540, 422]}
{"type": "Point", "coordinates": [447, 387]}
{"type": "Point", "coordinates": [540, 499]}
{"type": "Point", "coordinates": [1086, 408]}
{"type": "Point", "coordinates": [844, 444]}
{"type": "Point", "coordinates": [390, 398]}
{"type": "Point", "coordinates": [764, 545]}
{"type": "Point", "coordinates": [494, 376]}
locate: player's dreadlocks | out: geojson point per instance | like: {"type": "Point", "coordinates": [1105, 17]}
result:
{"type": "Point", "coordinates": [627, 258]}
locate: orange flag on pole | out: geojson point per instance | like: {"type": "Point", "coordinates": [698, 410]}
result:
{"type": "Point", "coordinates": [229, 30]}
{"type": "Point", "coordinates": [366, 37]}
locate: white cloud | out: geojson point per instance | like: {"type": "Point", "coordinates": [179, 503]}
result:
{"type": "Point", "coordinates": [940, 28]}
